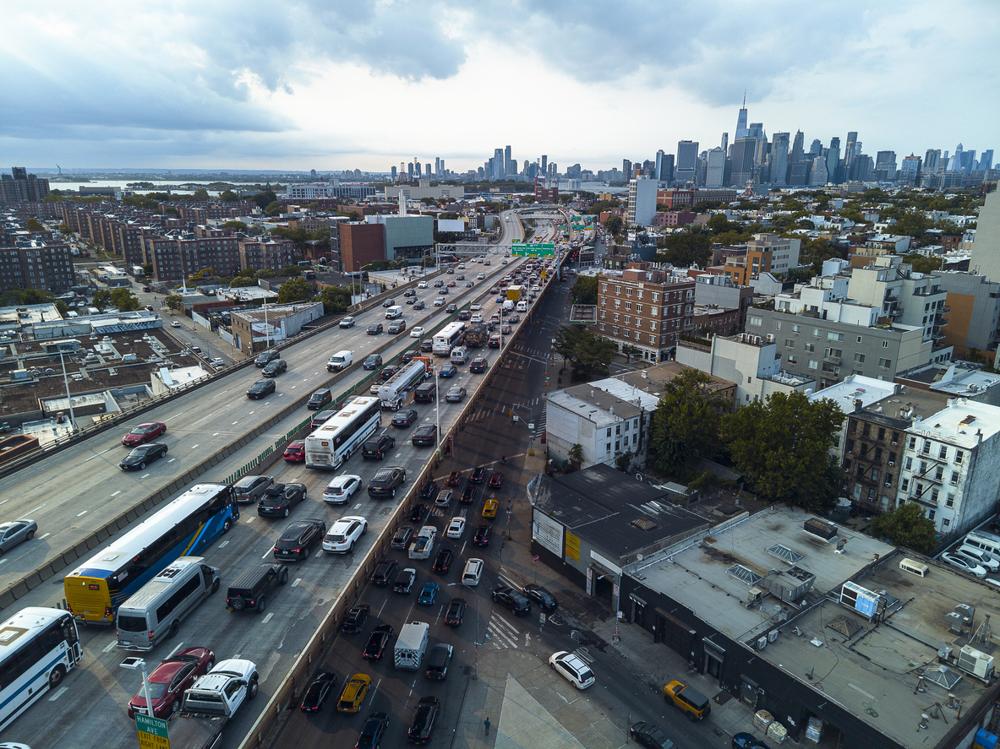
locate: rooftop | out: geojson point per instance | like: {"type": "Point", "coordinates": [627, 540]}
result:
{"type": "Point", "coordinates": [957, 378]}
{"type": "Point", "coordinates": [899, 409]}
{"type": "Point", "coordinates": [593, 404]}
{"type": "Point", "coordinates": [854, 391]}
{"type": "Point", "coordinates": [962, 422]}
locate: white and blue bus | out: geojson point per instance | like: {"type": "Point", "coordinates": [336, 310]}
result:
{"type": "Point", "coordinates": [184, 527]}
{"type": "Point", "coordinates": [38, 647]}
{"type": "Point", "coordinates": [447, 338]}
{"type": "Point", "coordinates": [334, 442]}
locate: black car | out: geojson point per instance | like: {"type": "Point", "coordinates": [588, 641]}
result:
{"type": "Point", "coordinates": [371, 362]}
{"type": "Point", "coordinates": [275, 368]}
{"type": "Point", "coordinates": [479, 475]}
{"type": "Point", "coordinates": [427, 345]}
{"type": "Point", "coordinates": [468, 494]}
{"type": "Point", "coordinates": [545, 600]}
{"type": "Point", "coordinates": [266, 357]}
{"type": "Point", "coordinates": [143, 455]}
{"type": "Point", "coordinates": [319, 398]}
{"type": "Point", "coordinates": [451, 308]}
{"type": "Point", "coordinates": [455, 614]}
{"type": "Point", "coordinates": [482, 535]}
{"type": "Point", "coordinates": [443, 560]}
{"type": "Point", "coordinates": [298, 538]}
{"type": "Point", "coordinates": [321, 417]}
{"type": "Point", "coordinates": [419, 304]}
{"type": "Point", "coordinates": [385, 570]}
{"type": "Point", "coordinates": [649, 736]}
{"type": "Point", "coordinates": [513, 599]}
{"type": "Point", "coordinates": [422, 727]}
{"type": "Point", "coordinates": [408, 356]}
{"type": "Point", "coordinates": [375, 329]}
{"type": "Point", "coordinates": [405, 580]}
{"type": "Point", "coordinates": [386, 373]}
{"type": "Point", "coordinates": [279, 499]}
{"type": "Point", "coordinates": [388, 303]}
{"type": "Point", "coordinates": [403, 419]}
{"type": "Point", "coordinates": [355, 618]}
{"type": "Point", "coordinates": [377, 640]}
{"type": "Point", "coordinates": [478, 365]}
{"type": "Point", "coordinates": [401, 538]}
{"type": "Point", "coordinates": [249, 590]}
{"type": "Point", "coordinates": [424, 436]}
{"type": "Point", "coordinates": [496, 480]}
{"type": "Point", "coordinates": [376, 447]}
{"type": "Point", "coordinates": [438, 660]}
{"type": "Point", "coordinates": [373, 731]}
{"type": "Point", "coordinates": [386, 481]}
{"type": "Point", "coordinates": [429, 491]}
{"type": "Point", "coordinates": [260, 389]}
{"type": "Point", "coordinates": [419, 513]}
{"type": "Point", "coordinates": [317, 692]}
{"type": "Point", "coordinates": [745, 740]}
{"type": "Point", "coordinates": [464, 315]}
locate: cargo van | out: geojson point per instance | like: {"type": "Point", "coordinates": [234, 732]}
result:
{"type": "Point", "coordinates": [522, 306]}
{"type": "Point", "coordinates": [394, 312]}
{"type": "Point", "coordinates": [154, 612]}
{"type": "Point", "coordinates": [459, 355]}
{"type": "Point", "coordinates": [340, 361]}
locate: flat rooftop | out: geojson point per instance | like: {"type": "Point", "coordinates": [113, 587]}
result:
{"type": "Point", "coordinates": [962, 422]}
{"type": "Point", "coordinates": [856, 388]}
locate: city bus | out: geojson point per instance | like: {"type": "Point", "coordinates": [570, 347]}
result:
{"type": "Point", "coordinates": [334, 442]}
{"type": "Point", "coordinates": [184, 527]}
{"type": "Point", "coordinates": [448, 337]}
{"type": "Point", "coordinates": [38, 647]}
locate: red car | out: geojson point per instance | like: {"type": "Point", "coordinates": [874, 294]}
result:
{"type": "Point", "coordinates": [169, 681]}
{"type": "Point", "coordinates": [144, 433]}
{"type": "Point", "coordinates": [496, 480]}
{"type": "Point", "coordinates": [295, 452]}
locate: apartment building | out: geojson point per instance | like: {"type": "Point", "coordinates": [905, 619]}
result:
{"type": "Point", "coordinates": [889, 285]}
{"type": "Point", "coordinates": [20, 187]}
{"type": "Point", "coordinates": [641, 202]}
{"type": "Point", "coordinates": [973, 311]}
{"type": "Point", "coordinates": [177, 256]}
{"type": "Point", "coordinates": [765, 253]}
{"type": "Point", "coordinates": [359, 244]}
{"type": "Point", "coordinates": [267, 254]}
{"type": "Point", "coordinates": [644, 307]}
{"type": "Point", "coordinates": [48, 267]}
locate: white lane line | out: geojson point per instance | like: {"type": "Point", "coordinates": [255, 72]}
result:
{"type": "Point", "coordinates": [251, 518]}
{"type": "Point", "coordinates": [250, 414]}
{"type": "Point", "coordinates": [509, 625]}
{"type": "Point", "coordinates": [296, 582]}
{"type": "Point", "coordinates": [268, 617]}
{"type": "Point", "coordinates": [268, 553]}
{"type": "Point", "coordinates": [59, 693]}
{"type": "Point", "coordinates": [4, 501]}
{"type": "Point", "coordinates": [44, 536]}
{"type": "Point", "coordinates": [357, 505]}
{"type": "Point", "coordinates": [318, 554]}
{"type": "Point", "coordinates": [176, 650]}
{"type": "Point", "coordinates": [4, 560]}
{"type": "Point", "coordinates": [235, 423]}
{"type": "Point", "coordinates": [144, 476]}
{"type": "Point", "coordinates": [116, 493]}
{"type": "Point", "coordinates": [36, 509]}
{"type": "Point", "coordinates": [109, 647]}
{"type": "Point", "coordinates": [267, 403]}
{"type": "Point", "coordinates": [194, 447]}
{"type": "Point", "coordinates": [293, 387]}
{"type": "Point", "coordinates": [81, 514]}
{"type": "Point", "coordinates": [215, 434]}
{"type": "Point", "coordinates": [172, 460]}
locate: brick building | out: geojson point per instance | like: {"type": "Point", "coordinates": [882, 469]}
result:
{"type": "Point", "coordinates": [360, 244]}
{"type": "Point", "coordinates": [267, 254]}
{"type": "Point", "coordinates": [40, 266]}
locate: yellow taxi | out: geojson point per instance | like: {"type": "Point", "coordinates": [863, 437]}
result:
{"type": "Point", "coordinates": [490, 507]}
{"type": "Point", "coordinates": [355, 691]}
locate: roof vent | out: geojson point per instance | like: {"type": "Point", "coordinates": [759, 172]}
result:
{"type": "Point", "coordinates": [643, 524]}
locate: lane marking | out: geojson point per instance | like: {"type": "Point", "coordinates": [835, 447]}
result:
{"type": "Point", "coordinates": [224, 544]}
{"type": "Point", "coordinates": [144, 476]}
{"type": "Point", "coordinates": [215, 434]}
{"type": "Point", "coordinates": [194, 447]}
{"type": "Point", "coordinates": [176, 649]}
{"type": "Point", "coordinates": [44, 536]}
{"type": "Point", "coordinates": [172, 460]}
{"type": "Point", "coordinates": [36, 509]}
{"type": "Point", "coordinates": [267, 553]}
{"type": "Point", "coordinates": [109, 647]}
{"type": "Point", "coordinates": [59, 693]}
{"type": "Point", "coordinates": [296, 582]}
{"type": "Point", "coordinates": [268, 617]}
{"type": "Point", "coordinates": [81, 514]}
{"type": "Point", "coordinates": [116, 493]}
{"type": "Point", "coordinates": [235, 423]}
{"type": "Point", "coordinates": [251, 518]}
{"type": "Point", "coordinates": [250, 414]}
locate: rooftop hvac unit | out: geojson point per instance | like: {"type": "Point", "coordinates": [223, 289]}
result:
{"type": "Point", "coordinates": [772, 635]}
{"type": "Point", "coordinates": [761, 643]}
{"type": "Point", "coordinates": [975, 662]}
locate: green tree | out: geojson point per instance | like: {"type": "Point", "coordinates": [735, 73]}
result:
{"type": "Point", "coordinates": [291, 270]}
{"type": "Point", "coordinates": [907, 526]}
{"type": "Point", "coordinates": [241, 281]}
{"type": "Point", "coordinates": [34, 225]}
{"type": "Point", "coordinates": [295, 290]}
{"type": "Point", "coordinates": [614, 225]}
{"type": "Point", "coordinates": [102, 298]}
{"type": "Point", "coordinates": [686, 424]}
{"type": "Point", "coordinates": [273, 208]}
{"type": "Point", "coordinates": [235, 225]}
{"type": "Point", "coordinates": [585, 352]}
{"type": "Point", "coordinates": [264, 198]}
{"type": "Point", "coordinates": [336, 299]}
{"type": "Point", "coordinates": [201, 195]}
{"type": "Point", "coordinates": [174, 302]}
{"type": "Point", "coordinates": [584, 290]}
{"type": "Point", "coordinates": [575, 456]}
{"type": "Point", "coordinates": [228, 196]}
{"type": "Point", "coordinates": [719, 224]}
{"type": "Point", "coordinates": [121, 298]}
{"type": "Point", "coordinates": [923, 263]}
{"type": "Point", "coordinates": [685, 248]}
{"type": "Point", "coordinates": [782, 447]}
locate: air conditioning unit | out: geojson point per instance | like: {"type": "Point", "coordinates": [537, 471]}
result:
{"type": "Point", "coordinates": [761, 643]}
{"type": "Point", "coordinates": [975, 662]}
{"type": "Point", "coordinates": [772, 635]}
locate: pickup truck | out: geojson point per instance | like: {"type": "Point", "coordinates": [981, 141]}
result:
{"type": "Point", "coordinates": [211, 702]}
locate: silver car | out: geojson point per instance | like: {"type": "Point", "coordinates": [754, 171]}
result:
{"type": "Point", "coordinates": [16, 531]}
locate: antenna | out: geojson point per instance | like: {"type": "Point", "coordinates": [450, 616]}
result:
{"type": "Point", "coordinates": [744, 98]}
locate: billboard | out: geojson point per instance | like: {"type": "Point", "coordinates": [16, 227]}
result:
{"type": "Point", "coordinates": [547, 532]}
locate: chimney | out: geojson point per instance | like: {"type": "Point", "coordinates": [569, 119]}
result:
{"type": "Point", "coordinates": [857, 404]}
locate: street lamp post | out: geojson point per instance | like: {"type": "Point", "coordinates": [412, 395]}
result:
{"type": "Point", "coordinates": [69, 398]}
{"type": "Point", "coordinates": [133, 663]}
{"type": "Point", "coordinates": [437, 409]}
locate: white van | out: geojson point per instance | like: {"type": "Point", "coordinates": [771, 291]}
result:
{"type": "Point", "coordinates": [979, 556]}
{"type": "Point", "coordinates": [522, 306]}
{"type": "Point", "coordinates": [154, 612]}
{"type": "Point", "coordinates": [459, 355]}
{"type": "Point", "coordinates": [988, 542]}
{"type": "Point", "coordinates": [472, 573]}
{"type": "Point", "coordinates": [913, 567]}
{"type": "Point", "coordinates": [340, 361]}
{"type": "Point", "coordinates": [394, 312]}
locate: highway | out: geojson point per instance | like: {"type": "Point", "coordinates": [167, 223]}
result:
{"type": "Point", "coordinates": [88, 711]}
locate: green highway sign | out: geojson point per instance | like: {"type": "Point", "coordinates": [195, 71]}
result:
{"type": "Point", "coordinates": [537, 248]}
{"type": "Point", "coordinates": [152, 732]}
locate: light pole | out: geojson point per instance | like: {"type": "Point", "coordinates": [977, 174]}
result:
{"type": "Point", "coordinates": [133, 663]}
{"type": "Point", "coordinates": [69, 398]}
{"type": "Point", "coordinates": [267, 331]}
{"type": "Point", "coordinates": [437, 409]}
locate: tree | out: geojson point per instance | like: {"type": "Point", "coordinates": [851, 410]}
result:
{"type": "Point", "coordinates": [907, 526]}
{"type": "Point", "coordinates": [336, 299]}
{"type": "Point", "coordinates": [174, 302]}
{"type": "Point", "coordinates": [584, 290]}
{"type": "Point", "coordinates": [228, 196]}
{"type": "Point", "coordinates": [295, 290]}
{"type": "Point", "coordinates": [273, 208]}
{"type": "Point", "coordinates": [201, 195]}
{"type": "Point", "coordinates": [782, 447]}
{"type": "Point", "coordinates": [586, 352]}
{"type": "Point", "coordinates": [685, 248]}
{"type": "Point", "coordinates": [34, 225]}
{"type": "Point", "coordinates": [719, 224]}
{"type": "Point", "coordinates": [575, 456]}
{"type": "Point", "coordinates": [235, 225]}
{"type": "Point", "coordinates": [923, 263]}
{"type": "Point", "coordinates": [121, 298]}
{"type": "Point", "coordinates": [686, 424]}
{"type": "Point", "coordinates": [614, 225]}
{"type": "Point", "coordinates": [240, 282]}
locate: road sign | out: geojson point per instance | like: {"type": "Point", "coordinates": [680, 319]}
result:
{"type": "Point", "coordinates": [535, 248]}
{"type": "Point", "coordinates": [152, 732]}
{"type": "Point", "coordinates": [531, 425]}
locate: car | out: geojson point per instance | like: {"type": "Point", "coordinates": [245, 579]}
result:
{"type": "Point", "coordinates": [744, 740]}
{"type": "Point", "coordinates": [278, 499]}
{"type": "Point", "coordinates": [295, 452]}
{"type": "Point", "coordinates": [346, 322]}
{"type": "Point", "coordinates": [371, 362]}
{"type": "Point", "coordinates": [572, 668]}
{"type": "Point", "coordinates": [439, 301]}
{"type": "Point", "coordinates": [438, 659]}
{"type": "Point", "coordinates": [490, 507]}
{"type": "Point", "coordinates": [143, 433]}
{"type": "Point", "coordinates": [422, 727]}
{"type": "Point", "coordinates": [218, 362]}
{"type": "Point", "coordinates": [496, 480]}
{"type": "Point", "coordinates": [141, 456]}
{"type": "Point", "coordinates": [375, 448]}
{"type": "Point", "coordinates": [319, 398]}
{"type": "Point", "coordinates": [417, 331]}
{"type": "Point", "coordinates": [428, 593]}
{"type": "Point", "coordinates": [296, 541]}
{"type": "Point", "coordinates": [170, 679]}
{"type": "Point", "coordinates": [964, 564]}
{"type": "Point", "coordinates": [479, 365]}
{"type": "Point", "coordinates": [396, 326]}
{"type": "Point", "coordinates": [385, 570]}
{"type": "Point", "coordinates": [469, 284]}
{"type": "Point", "coordinates": [260, 389]}
{"type": "Point", "coordinates": [275, 368]}
{"type": "Point", "coordinates": [978, 556]}
{"type": "Point", "coordinates": [447, 371]}
{"type": "Point", "coordinates": [464, 315]}
{"type": "Point", "coordinates": [321, 417]}
{"type": "Point", "coordinates": [455, 394]}
{"type": "Point", "coordinates": [375, 329]}
{"type": "Point", "coordinates": [455, 613]}
{"type": "Point", "coordinates": [468, 494]}
{"type": "Point", "coordinates": [404, 418]}
{"type": "Point", "coordinates": [545, 600]}
{"type": "Point", "coordinates": [429, 491]}
{"type": "Point", "coordinates": [512, 598]}
{"type": "Point", "coordinates": [355, 618]}
{"type": "Point", "coordinates": [344, 533]}
{"type": "Point", "coordinates": [373, 731]}
{"type": "Point", "coordinates": [419, 304]}
{"type": "Point", "coordinates": [410, 292]}
{"type": "Point", "coordinates": [456, 527]}
{"type": "Point", "coordinates": [341, 488]}
{"type": "Point", "coordinates": [454, 479]}
{"type": "Point", "coordinates": [419, 513]}
{"type": "Point", "coordinates": [248, 592]}
{"type": "Point", "coordinates": [174, 324]}
{"type": "Point", "coordinates": [482, 535]}
{"type": "Point", "coordinates": [475, 307]}
{"type": "Point", "coordinates": [688, 700]}
{"type": "Point", "coordinates": [266, 357]}
{"type": "Point", "coordinates": [444, 291]}
{"type": "Point", "coordinates": [438, 283]}
{"type": "Point", "coordinates": [479, 475]}
{"type": "Point", "coordinates": [422, 285]}
{"type": "Point", "coordinates": [251, 488]}
{"type": "Point", "coordinates": [424, 435]}
{"type": "Point", "coordinates": [443, 499]}
{"type": "Point", "coordinates": [405, 579]}
{"type": "Point", "coordinates": [473, 572]}
{"type": "Point", "coordinates": [388, 303]}
{"type": "Point", "coordinates": [377, 640]}
{"type": "Point", "coordinates": [409, 355]}
{"type": "Point", "coordinates": [514, 319]}
{"type": "Point", "coordinates": [353, 694]}
{"type": "Point", "coordinates": [443, 560]}
{"type": "Point", "coordinates": [427, 346]}
{"type": "Point", "coordinates": [386, 481]}
{"type": "Point", "coordinates": [401, 538]}
{"type": "Point", "coordinates": [317, 691]}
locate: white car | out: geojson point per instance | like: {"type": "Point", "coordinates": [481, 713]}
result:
{"type": "Point", "coordinates": [344, 533]}
{"type": "Point", "coordinates": [475, 307]}
{"type": "Point", "coordinates": [476, 318]}
{"type": "Point", "coordinates": [456, 527]}
{"type": "Point", "coordinates": [340, 489]}
{"type": "Point", "coordinates": [422, 285]}
{"type": "Point", "coordinates": [417, 331]}
{"type": "Point", "coordinates": [978, 556]}
{"type": "Point", "coordinates": [439, 301]}
{"type": "Point", "coordinates": [473, 572]}
{"type": "Point", "coordinates": [966, 565]}
{"type": "Point", "coordinates": [572, 668]}
{"type": "Point", "coordinates": [174, 324]}
{"type": "Point", "coordinates": [347, 322]}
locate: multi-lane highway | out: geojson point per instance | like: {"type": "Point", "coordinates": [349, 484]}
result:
{"type": "Point", "coordinates": [88, 710]}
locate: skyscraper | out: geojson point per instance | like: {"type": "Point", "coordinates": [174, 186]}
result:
{"type": "Point", "coordinates": [909, 172]}
{"type": "Point", "coordinates": [779, 159]}
{"type": "Point", "coordinates": [833, 160]}
{"type": "Point", "coordinates": [741, 121]}
{"type": "Point", "coordinates": [742, 162]}
{"type": "Point", "coordinates": [986, 160]}
{"type": "Point", "coordinates": [394, 172]}
{"type": "Point", "coordinates": [817, 171]}
{"type": "Point", "coordinates": [932, 161]}
{"type": "Point", "coordinates": [715, 170]}
{"type": "Point", "coordinates": [509, 169]}
{"type": "Point", "coordinates": [687, 156]}
{"type": "Point", "coordinates": [815, 148]}
{"type": "Point", "coordinates": [545, 163]}
{"type": "Point", "coordinates": [725, 143]}
{"type": "Point", "coordinates": [798, 166]}
{"type": "Point", "coordinates": [885, 166]}
{"type": "Point", "coordinates": [627, 169]}
{"type": "Point", "coordinates": [850, 152]}
{"type": "Point", "coordinates": [641, 201]}
{"type": "Point", "coordinates": [498, 171]}
{"type": "Point", "coordinates": [427, 169]}
{"type": "Point", "coordinates": [955, 164]}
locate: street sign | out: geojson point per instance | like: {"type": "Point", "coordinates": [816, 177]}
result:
{"type": "Point", "coordinates": [152, 732]}
{"type": "Point", "coordinates": [531, 425]}
{"type": "Point", "coordinates": [535, 248]}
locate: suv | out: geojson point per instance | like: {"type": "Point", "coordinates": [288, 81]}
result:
{"type": "Point", "coordinates": [384, 572]}
{"type": "Point", "coordinates": [437, 661]}
{"type": "Point", "coordinates": [478, 365]}
{"type": "Point", "coordinates": [396, 326]}
{"type": "Point", "coordinates": [260, 389]}
{"type": "Point", "coordinates": [319, 398]}
{"type": "Point", "coordinates": [251, 488]}
{"type": "Point", "coordinates": [376, 447]}
{"type": "Point", "coordinates": [424, 436]}
{"type": "Point", "coordinates": [298, 538]}
{"type": "Point", "coordinates": [266, 357]}
{"type": "Point", "coordinates": [401, 539]}
{"type": "Point", "coordinates": [375, 329]}
{"type": "Point", "coordinates": [249, 590]}
{"type": "Point", "coordinates": [275, 368]}
{"type": "Point", "coordinates": [516, 601]}
{"type": "Point", "coordinates": [422, 727]}
{"type": "Point", "coordinates": [686, 699]}
{"type": "Point", "coordinates": [386, 481]}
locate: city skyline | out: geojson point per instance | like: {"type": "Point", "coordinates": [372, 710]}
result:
{"type": "Point", "coordinates": [231, 88]}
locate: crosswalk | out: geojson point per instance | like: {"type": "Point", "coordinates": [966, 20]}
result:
{"type": "Point", "coordinates": [503, 634]}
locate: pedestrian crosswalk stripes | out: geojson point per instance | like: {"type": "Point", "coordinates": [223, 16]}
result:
{"type": "Point", "coordinates": [503, 634]}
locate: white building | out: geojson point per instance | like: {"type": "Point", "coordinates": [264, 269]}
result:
{"type": "Point", "coordinates": [641, 202]}
{"type": "Point", "coordinates": [604, 425]}
{"type": "Point", "coordinates": [950, 465]}
{"type": "Point", "coordinates": [852, 394]}
{"type": "Point", "coordinates": [986, 247]}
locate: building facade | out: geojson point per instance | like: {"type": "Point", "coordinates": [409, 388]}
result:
{"type": "Point", "coordinates": [973, 311]}
{"type": "Point", "coordinates": [48, 267]}
{"type": "Point", "coordinates": [641, 202]}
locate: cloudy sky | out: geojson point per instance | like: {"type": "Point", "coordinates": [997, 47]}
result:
{"type": "Point", "coordinates": [332, 84]}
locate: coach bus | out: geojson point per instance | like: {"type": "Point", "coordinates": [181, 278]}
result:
{"type": "Point", "coordinates": [449, 336]}
{"type": "Point", "coordinates": [337, 439]}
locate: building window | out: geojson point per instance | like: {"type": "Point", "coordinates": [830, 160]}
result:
{"type": "Point", "coordinates": [945, 523]}
{"type": "Point", "coordinates": [859, 339]}
{"type": "Point", "coordinates": [949, 501]}
{"type": "Point", "coordinates": [943, 452]}
{"type": "Point", "coordinates": [755, 321]}
{"type": "Point", "coordinates": [884, 363]}
{"type": "Point", "coordinates": [831, 336]}
{"type": "Point", "coordinates": [791, 359]}
{"type": "Point", "coordinates": [810, 348]}
{"type": "Point", "coordinates": [859, 358]}
{"type": "Point", "coordinates": [926, 448]}
{"type": "Point", "coordinates": [958, 456]}
{"type": "Point", "coordinates": [885, 344]}
{"type": "Point", "coordinates": [930, 514]}
{"type": "Point", "coordinates": [813, 364]}
{"type": "Point", "coordinates": [934, 495]}
{"type": "Point", "coordinates": [904, 484]}
{"type": "Point", "coordinates": [789, 343]}
{"type": "Point", "coordinates": [795, 328]}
